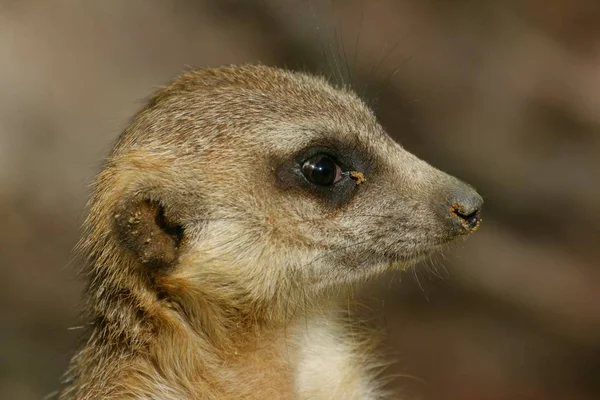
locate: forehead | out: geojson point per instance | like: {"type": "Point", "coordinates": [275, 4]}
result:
{"type": "Point", "coordinates": [289, 109]}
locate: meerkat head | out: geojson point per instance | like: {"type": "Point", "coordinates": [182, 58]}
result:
{"type": "Point", "coordinates": [256, 183]}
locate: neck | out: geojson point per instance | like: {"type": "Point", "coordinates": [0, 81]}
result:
{"type": "Point", "coordinates": [223, 318]}
{"type": "Point", "coordinates": [231, 317]}
{"type": "Point", "coordinates": [192, 334]}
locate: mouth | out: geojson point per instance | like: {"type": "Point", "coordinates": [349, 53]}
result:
{"type": "Point", "coordinates": [405, 262]}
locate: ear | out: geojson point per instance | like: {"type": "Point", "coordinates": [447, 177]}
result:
{"type": "Point", "coordinates": [143, 229]}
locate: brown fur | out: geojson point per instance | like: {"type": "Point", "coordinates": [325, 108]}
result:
{"type": "Point", "coordinates": [215, 270]}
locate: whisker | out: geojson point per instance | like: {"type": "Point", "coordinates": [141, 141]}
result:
{"type": "Point", "coordinates": [51, 395]}
{"type": "Point", "coordinates": [360, 26]}
{"type": "Point", "coordinates": [385, 57]}
{"type": "Point", "coordinates": [416, 275]}
{"type": "Point", "coordinates": [350, 77]}
{"type": "Point", "coordinates": [336, 61]}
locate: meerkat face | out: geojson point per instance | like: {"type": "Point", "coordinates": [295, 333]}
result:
{"type": "Point", "coordinates": [261, 179]}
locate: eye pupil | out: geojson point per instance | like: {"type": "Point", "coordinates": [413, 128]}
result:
{"type": "Point", "coordinates": [321, 170]}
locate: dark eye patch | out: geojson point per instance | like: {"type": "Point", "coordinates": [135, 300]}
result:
{"type": "Point", "coordinates": [289, 174]}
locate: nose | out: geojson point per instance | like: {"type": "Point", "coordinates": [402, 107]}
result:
{"type": "Point", "coordinates": [465, 207]}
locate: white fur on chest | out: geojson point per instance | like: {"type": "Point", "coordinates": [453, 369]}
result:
{"type": "Point", "coordinates": [330, 364]}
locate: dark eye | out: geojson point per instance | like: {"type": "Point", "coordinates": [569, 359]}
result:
{"type": "Point", "coordinates": [321, 170]}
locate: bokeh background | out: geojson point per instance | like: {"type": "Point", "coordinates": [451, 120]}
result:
{"type": "Point", "coordinates": [503, 94]}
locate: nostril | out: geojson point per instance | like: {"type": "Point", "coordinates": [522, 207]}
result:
{"type": "Point", "coordinates": [463, 208]}
{"type": "Point", "coordinates": [473, 219]}
{"type": "Point", "coordinates": [469, 217]}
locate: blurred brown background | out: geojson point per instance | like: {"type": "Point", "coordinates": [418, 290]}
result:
{"type": "Point", "coordinates": [503, 94]}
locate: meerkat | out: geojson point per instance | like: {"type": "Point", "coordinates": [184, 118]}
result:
{"type": "Point", "coordinates": [228, 222]}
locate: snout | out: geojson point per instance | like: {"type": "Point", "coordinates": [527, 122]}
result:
{"type": "Point", "coordinates": [463, 209]}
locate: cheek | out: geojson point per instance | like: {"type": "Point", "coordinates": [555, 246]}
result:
{"type": "Point", "coordinates": [299, 221]}
{"type": "Point", "coordinates": [301, 233]}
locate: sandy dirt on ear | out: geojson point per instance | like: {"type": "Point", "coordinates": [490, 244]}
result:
{"type": "Point", "coordinates": [505, 95]}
